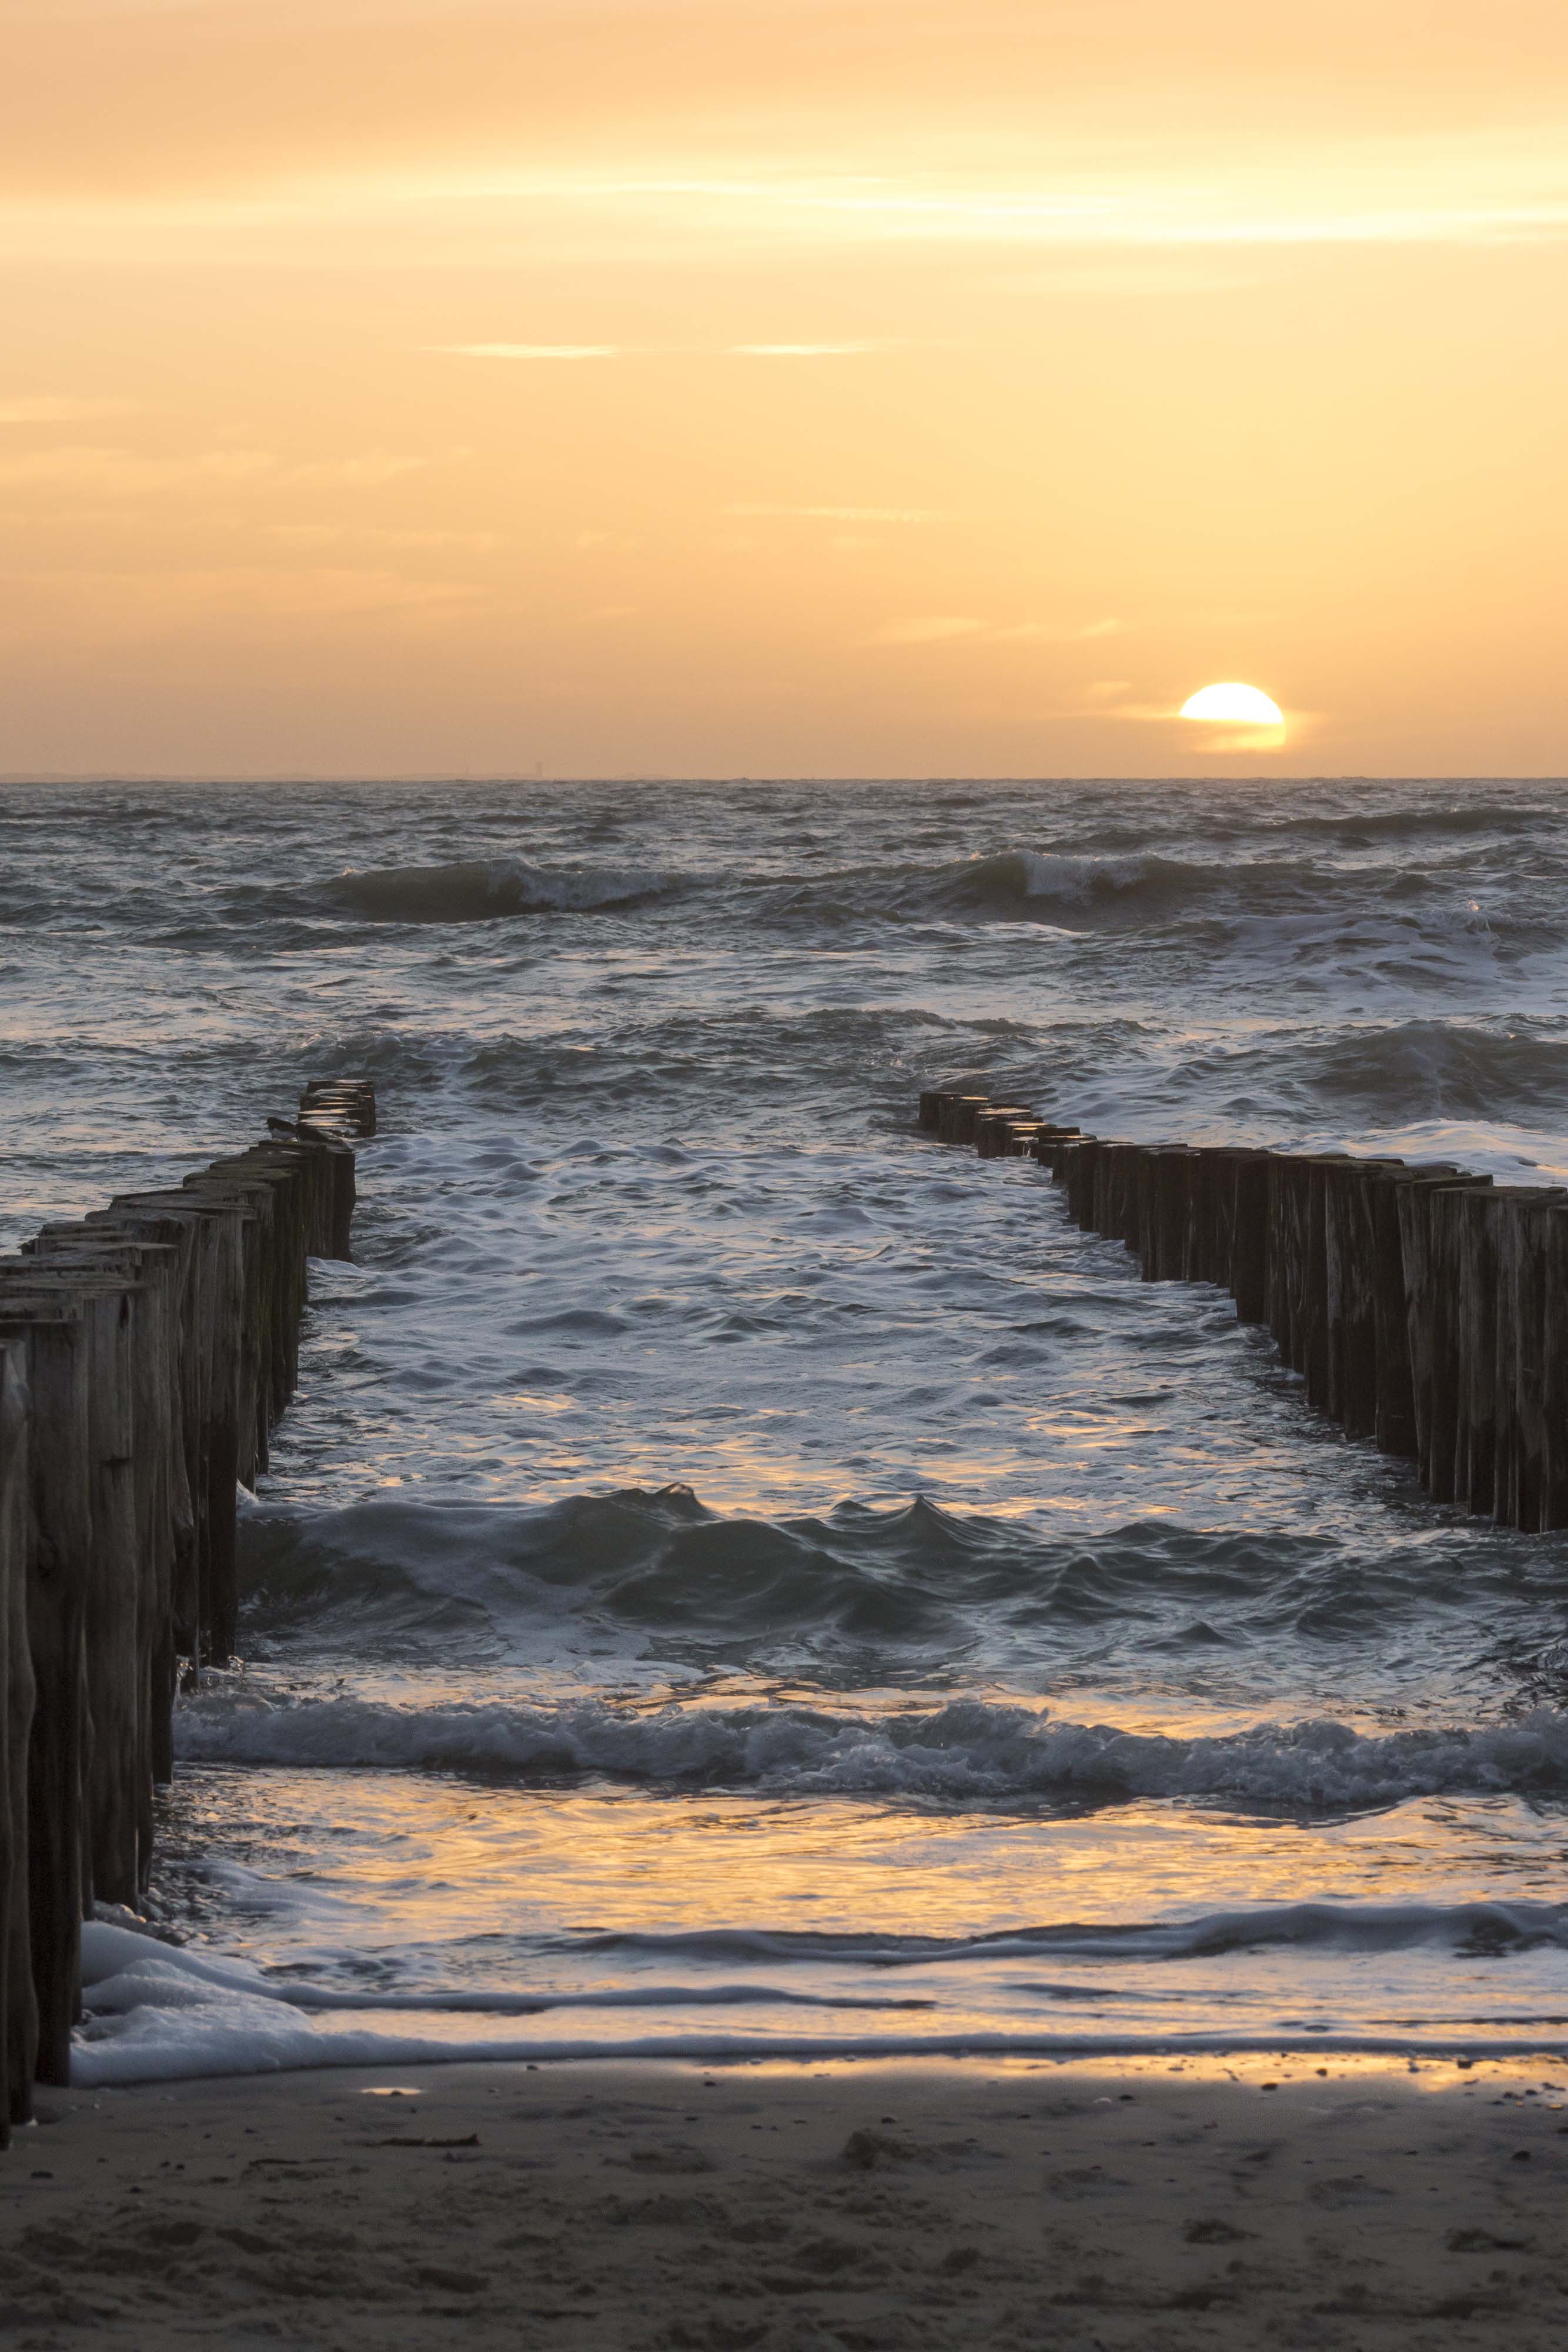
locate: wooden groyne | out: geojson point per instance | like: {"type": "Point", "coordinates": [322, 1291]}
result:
{"type": "Point", "coordinates": [1424, 1307]}
{"type": "Point", "coordinates": [146, 1352]}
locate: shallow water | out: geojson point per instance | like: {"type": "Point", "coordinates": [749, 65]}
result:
{"type": "Point", "coordinates": [736, 1569]}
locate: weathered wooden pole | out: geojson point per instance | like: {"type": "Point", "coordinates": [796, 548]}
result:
{"type": "Point", "coordinates": [350, 1104]}
{"type": "Point", "coordinates": [144, 1355]}
{"type": "Point", "coordinates": [1544, 1266]}
{"type": "Point", "coordinates": [1528, 1304]}
{"type": "Point", "coordinates": [130, 1662]}
{"type": "Point", "coordinates": [990, 1125]}
{"type": "Point", "coordinates": [959, 1113]}
{"type": "Point", "coordinates": [18, 2004]}
{"type": "Point", "coordinates": [51, 1328]}
{"type": "Point", "coordinates": [1420, 1305]}
{"type": "Point", "coordinates": [1350, 1267]}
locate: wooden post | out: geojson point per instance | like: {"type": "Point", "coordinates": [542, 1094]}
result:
{"type": "Point", "coordinates": [1545, 1267]}
{"type": "Point", "coordinates": [959, 1115]}
{"type": "Point", "coordinates": [1430, 1225]}
{"type": "Point", "coordinates": [1206, 1254]}
{"type": "Point", "coordinates": [990, 1125]}
{"type": "Point", "coordinates": [115, 1314]}
{"type": "Point", "coordinates": [145, 1354]}
{"type": "Point", "coordinates": [1420, 1306]}
{"type": "Point", "coordinates": [18, 2005]}
{"type": "Point", "coordinates": [1140, 1208]}
{"type": "Point", "coordinates": [51, 1330]}
{"type": "Point", "coordinates": [348, 1103]}
{"type": "Point", "coordinates": [1350, 1259]}
{"type": "Point", "coordinates": [1479, 1216]}
{"type": "Point", "coordinates": [1250, 1190]}
{"type": "Point", "coordinates": [1173, 1166]}
{"type": "Point", "coordinates": [1526, 1307]}
{"type": "Point", "coordinates": [131, 1719]}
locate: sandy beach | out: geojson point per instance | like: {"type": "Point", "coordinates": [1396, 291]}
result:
{"type": "Point", "coordinates": [1164, 2203]}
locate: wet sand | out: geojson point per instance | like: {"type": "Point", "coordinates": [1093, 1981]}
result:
{"type": "Point", "coordinates": [1036, 2205]}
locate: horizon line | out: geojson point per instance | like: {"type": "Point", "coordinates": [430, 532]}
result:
{"type": "Point", "coordinates": [241, 779]}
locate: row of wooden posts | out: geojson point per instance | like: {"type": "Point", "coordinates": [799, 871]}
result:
{"type": "Point", "coordinates": [1424, 1307]}
{"type": "Point", "coordinates": [145, 1354]}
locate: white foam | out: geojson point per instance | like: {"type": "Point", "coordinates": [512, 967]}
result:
{"type": "Point", "coordinates": [1077, 880]}
{"type": "Point", "coordinates": [156, 2013]}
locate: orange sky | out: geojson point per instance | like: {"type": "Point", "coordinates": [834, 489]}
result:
{"type": "Point", "coordinates": [821, 387]}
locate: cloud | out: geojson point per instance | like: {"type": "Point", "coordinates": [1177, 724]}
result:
{"type": "Point", "coordinates": [836, 514]}
{"type": "Point", "coordinates": [1092, 214]}
{"type": "Point", "coordinates": [127, 473]}
{"type": "Point", "coordinates": [529, 351]}
{"type": "Point", "coordinates": [123, 473]}
{"type": "Point", "coordinates": [143, 607]}
{"type": "Point", "coordinates": [366, 471]}
{"type": "Point", "coordinates": [1165, 275]}
{"type": "Point", "coordinates": [1055, 633]}
{"type": "Point", "coordinates": [59, 408]}
{"type": "Point", "coordinates": [924, 632]}
{"type": "Point", "coordinates": [333, 535]}
{"type": "Point", "coordinates": [933, 630]}
{"type": "Point", "coordinates": [1103, 700]}
{"type": "Point", "coordinates": [642, 351]}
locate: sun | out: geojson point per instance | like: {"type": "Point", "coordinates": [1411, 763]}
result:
{"type": "Point", "coordinates": [1234, 705]}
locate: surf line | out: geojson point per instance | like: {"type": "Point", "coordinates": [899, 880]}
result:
{"type": "Point", "coordinates": [1426, 1307]}
{"type": "Point", "coordinates": [145, 1353]}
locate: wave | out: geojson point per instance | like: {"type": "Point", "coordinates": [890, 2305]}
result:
{"type": "Point", "coordinates": [156, 2011]}
{"type": "Point", "coordinates": [1106, 885]}
{"type": "Point", "coordinates": [970, 1751]}
{"type": "Point", "coordinates": [1470, 1928]}
{"type": "Point", "coordinates": [1346, 1077]}
{"type": "Point", "coordinates": [1441, 1069]}
{"type": "Point", "coordinates": [908, 1586]}
{"type": "Point", "coordinates": [487, 891]}
{"type": "Point", "coordinates": [1464, 818]}
{"type": "Point", "coordinates": [1392, 908]}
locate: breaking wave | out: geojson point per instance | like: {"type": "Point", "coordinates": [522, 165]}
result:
{"type": "Point", "coordinates": [968, 1751]}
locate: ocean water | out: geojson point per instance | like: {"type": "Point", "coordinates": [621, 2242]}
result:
{"type": "Point", "coordinates": [739, 1577]}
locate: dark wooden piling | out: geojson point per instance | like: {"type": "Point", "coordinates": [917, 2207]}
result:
{"type": "Point", "coordinates": [959, 1114]}
{"type": "Point", "coordinates": [145, 1354]}
{"type": "Point", "coordinates": [1521, 1424]}
{"type": "Point", "coordinates": [1423, 1306]}
{"type": "Point", "coordinates": [18, 2006]}
{"type": "Point", "coordinates": [50, 1328]}
{"type": "Point", "coordinates": [1350, 1277]}
{"type": "Point", "coordinates": [1543, 1475]}
{"type": "Point", "coordinates": [347, 1104]}
{"type": "Point", "coordinates": [1116, 1191]}
{"type": "Point", "coordinates": [1169, 1256]}
{"type": "Point", "coordinates": [991, 1125]}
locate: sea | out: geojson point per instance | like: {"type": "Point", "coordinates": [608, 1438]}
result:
{"type": "Point", "coordinates": [740, 1578]}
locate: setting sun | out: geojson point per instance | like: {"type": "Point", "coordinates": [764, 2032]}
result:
{"type": "Point", "coordinates": [1233, 705]}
